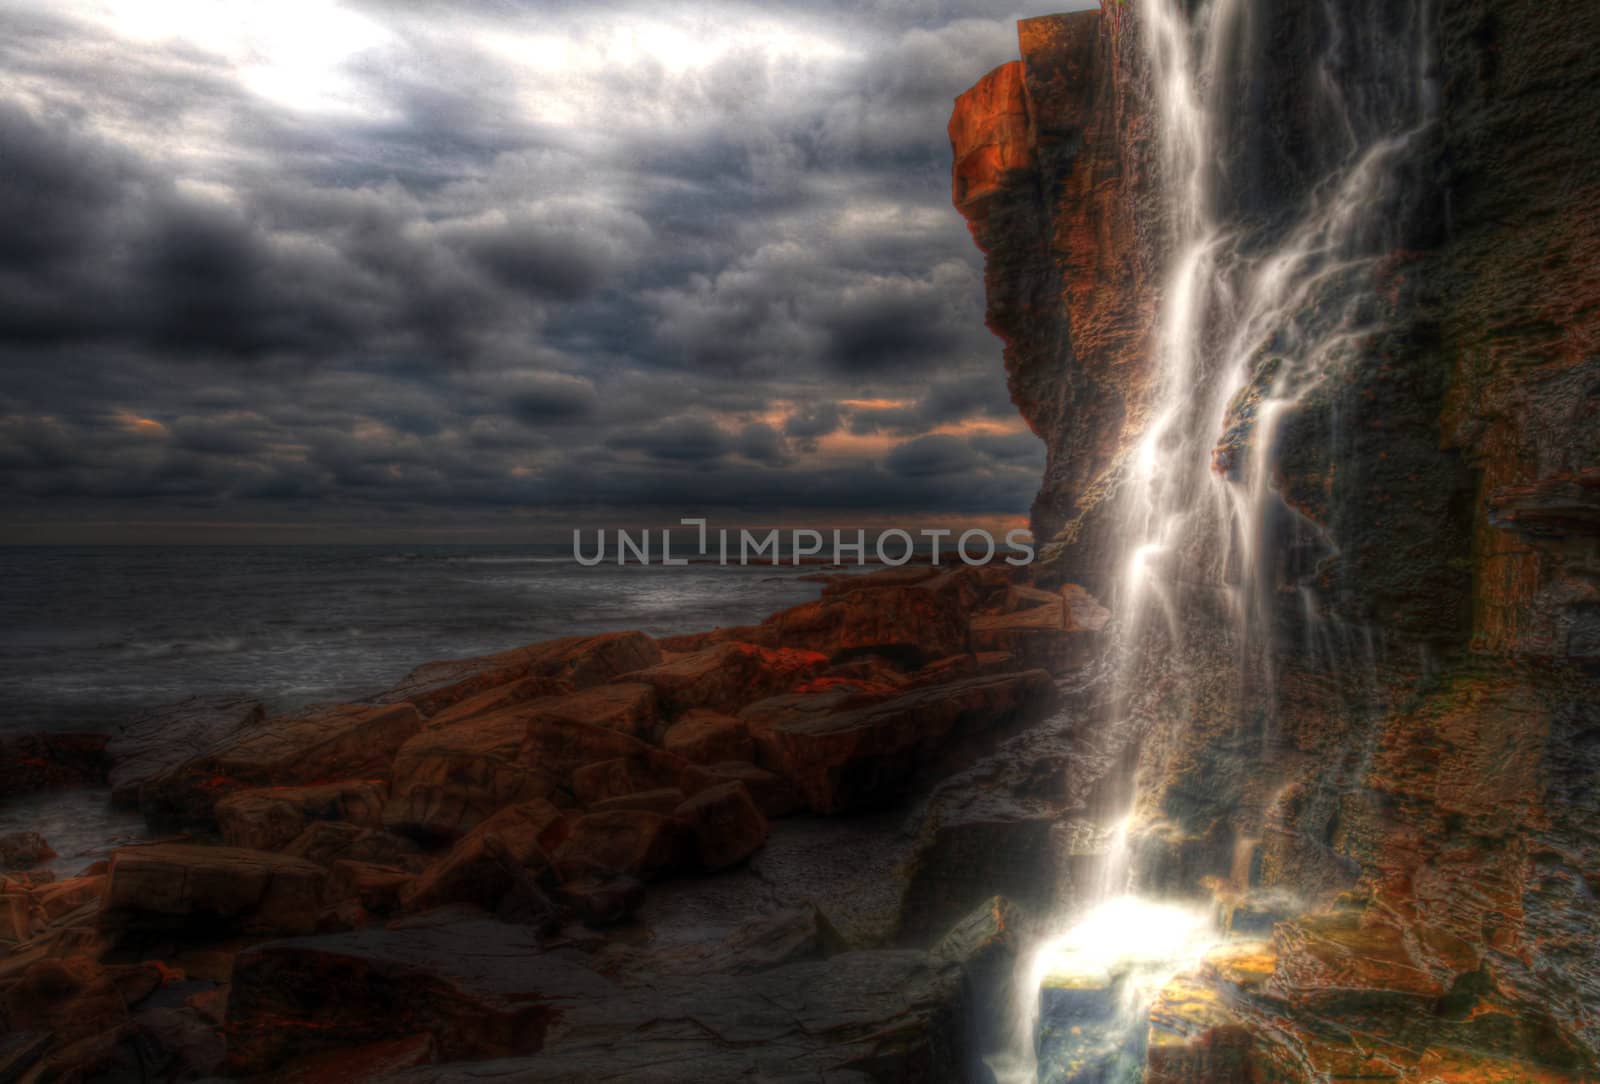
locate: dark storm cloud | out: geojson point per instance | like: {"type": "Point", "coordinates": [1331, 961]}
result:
{"type": "Point", "coordinates": [512, 257]}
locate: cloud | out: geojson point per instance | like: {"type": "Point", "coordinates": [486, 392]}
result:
{"type": "Point", "coordinates": [532, 254]}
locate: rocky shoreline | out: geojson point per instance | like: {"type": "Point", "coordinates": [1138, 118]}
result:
{"type": "Point", "coordinates": [620, 857]}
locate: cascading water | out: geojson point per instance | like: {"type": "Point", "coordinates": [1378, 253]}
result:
{"type": "Point", "coordinates": [1269, 292]}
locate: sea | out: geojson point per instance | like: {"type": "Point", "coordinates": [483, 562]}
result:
{"type": "Point", "coordinates": [91, 636]}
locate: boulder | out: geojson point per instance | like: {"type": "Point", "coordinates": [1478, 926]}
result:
{"type": "Point", "coordinates": [639, 771]}
{"type": "Point", "coordinates": [708, 737]}
{"type": "Point", "coordinates": [628, 707]}
{"type": "Point", "coordinates": [482, 867]}
{"type": "Point", "coordinates": [159, 741]}
{"type": "Point", "coordinates": [256, 891]}
{"type": "Point", "coordinates": [377, 888]}
{"type": "Point", "coordinates": [774, 795]}
{"type": "Point", "coordinates": [330, 842]}
{"type": "Point", "coordinates": [315, 745]}
{"type": "Point", "coordinates": [266, 818]}
{"type": "Point", "coordinates": [663, 800]}
{"type": "Point", "coordinates": [24, 850]}
{"type": "Point", "coordinates": [479, 988]}
{"type": "Point", "coordinates": [631, 842]}
{"type": "Point", "coordinates": [725, 825]}
{"type": "Point", "coordinates": [851, 757]}
{"type": "Point", "coordinates": [913, 621]}
{"type": "Point", "coordinates": [726, 676]}
{"type": "Point", "coordinates": [498, 699]}
{"type": "Point", "coordinates": [581, 661]}
{"type": "Point", "coordinates": [448, 781]}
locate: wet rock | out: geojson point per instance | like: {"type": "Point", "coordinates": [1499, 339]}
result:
{"type": "Point", "coordinates": [708, 737]}
{"type": "Point", "coordinates": [725, 826]}
{"type": "Point", "coordinates": [340, 741]}
{"type": "Point", "coordinates": [987, 945]}
{"type": "Point", "coordinates": [1194, 1038]}
{"type": "Point", "coordinates": [581, 661]}
{"type": "Point", "coordinates": [726, 676]}
{"type": "Point", "coordinates": [265, 819]}
{"type": "Point", "coordinates": [255, 891]}
{"type": "Point", "coordinates": [161, 740]}
{"type": "Point", "coordinates": [870, 756]}
{"type": "Point", "coordinates": [493, 860]}
{"type": "Point", "coordinates": [24, 850]}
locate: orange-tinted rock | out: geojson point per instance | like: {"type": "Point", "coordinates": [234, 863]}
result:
{"type": "Point", "coordinates": [1054, 174]}
{"type": "Point", "coordinates": [377, 888]}
{"type": "Point", "coordinates": [448, 781]}
{"type": "Point", "coordinates": [481, 989]}
{"type": "Point", "coordinates": [706, 737]}
{"type": "Point", "coordinates": [479, 868]}
{"type": "Point", "coordinates": [159, 741]}
{"type": "Point", "coordinates": [662, 800]}
{"type": "Point", "coordinates": [317, 745]}
{"type": "Point", "coordinates": [989, 134]}
{"type": "Point", "coordinates": [629, 842]}
{"type": "Point", "coordinates": [846, 757]}
{"type": "Point", "coordinates": [328, 842]}
{"type": "Point", "coordinates": [914, 622]}
{"type": "Point", "coordinates": [265, 819]}
{"type": "Point", "coordinates": [257, 891]}
{"type": "Point", "coordinates": [628, 707]}
{"type": "Point", "coordinates": [639, 771]}
{"type": "Point", "coordinates": [581, 661]}
{"type": "Point", "coordinates": [497, 700]}
{"type": "Point", "coordinates": [726, 676]}
{"type": "Point", "coordinates": [725, 825]}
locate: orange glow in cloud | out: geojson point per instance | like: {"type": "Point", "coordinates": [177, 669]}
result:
{"type": "Point", "coordinates": [134, 423]}
{"type": "Point", "coordinates": [877, 404]}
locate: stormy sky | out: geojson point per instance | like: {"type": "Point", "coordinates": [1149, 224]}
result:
{"type": "Point", "coordinates": [295, 269]}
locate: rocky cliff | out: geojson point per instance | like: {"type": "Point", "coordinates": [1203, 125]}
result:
{"type": "Point", "coordinates": [1416, 776]}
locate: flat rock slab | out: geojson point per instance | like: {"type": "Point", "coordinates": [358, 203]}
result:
{"type": "Point", "coordinates": [581, 661]}
{"type": "Point", "coordinates": [261, 892]}
{"type": "Point", "coordinates": [870, 756]}
{"type": "Point", "coordinates": [161, 740]}
{"type": "Point", "coordinates": [483, 988]}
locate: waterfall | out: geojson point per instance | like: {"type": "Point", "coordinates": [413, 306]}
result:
{"type": "Point", "coordinates": [1274, 235]}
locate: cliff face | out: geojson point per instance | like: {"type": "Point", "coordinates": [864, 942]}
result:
{"type": "Point", "coordinates": [1424, 791]}
{"type": "Point", "coordinates": [1053, 171]}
